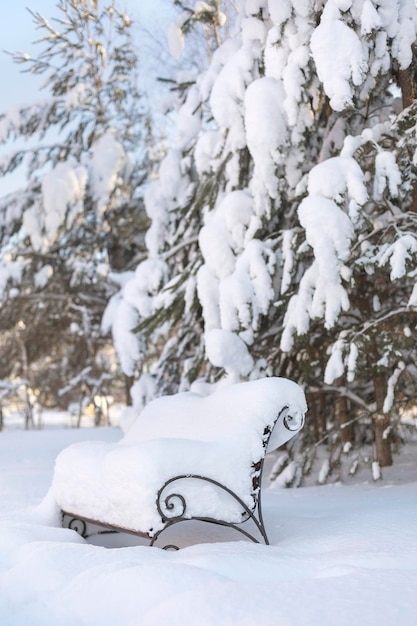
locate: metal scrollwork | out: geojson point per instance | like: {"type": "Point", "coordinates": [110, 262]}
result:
{"type": "Point", "coordinates": [74, 523]}
{"type": "Point", "coordinates": [293, 423]}
{"type": "Point", "coordinates": [169, 504]}
{"type": "Point", "coordinates": [86, 528]}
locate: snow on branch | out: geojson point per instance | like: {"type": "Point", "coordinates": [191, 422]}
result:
{"type": "Point", "coordinates": [398, 254]}
{"type": "Point", "coordinates": [392, 381]}
{"type": "Point", "coordinates": [340, 61]}
{"type": "Point", "coordinates": [329, 232]}
{"type": "Point", "coordinates": [266, 133]}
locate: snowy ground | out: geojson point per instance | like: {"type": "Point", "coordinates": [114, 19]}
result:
{"type": "Point", "coordinates": [341, 555]}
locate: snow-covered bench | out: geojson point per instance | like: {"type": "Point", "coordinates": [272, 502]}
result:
{"type": "Point", "coordinates": [185, 457]}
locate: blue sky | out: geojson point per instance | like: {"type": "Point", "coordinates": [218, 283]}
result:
{"type": "Point", "coordinates": [17, 32]}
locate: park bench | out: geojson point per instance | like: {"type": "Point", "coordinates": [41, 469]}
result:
{"type": "Point", "coordinates": [186, 457]}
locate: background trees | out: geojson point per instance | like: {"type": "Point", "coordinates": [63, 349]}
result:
{"type": "Point", "coordinates": [80, 216]}
{"type": "Point", "coordinates": [281, 234]}
{"type": "Point", "coordinates": [283, 218]}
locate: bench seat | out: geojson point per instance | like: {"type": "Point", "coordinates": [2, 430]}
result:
{"type": "Point", "coordinates": [185, 457]}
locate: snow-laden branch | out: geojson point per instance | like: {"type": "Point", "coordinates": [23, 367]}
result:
{"type": "Point", "coordinates": [371, 324]}
{"type": "Point", "coordinates": [174, 249]}
{"type": "Point", "coordinates": [346, 393]}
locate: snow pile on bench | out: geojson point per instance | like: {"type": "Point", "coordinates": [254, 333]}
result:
{"type": "Point", "coordinates": [220, 436]}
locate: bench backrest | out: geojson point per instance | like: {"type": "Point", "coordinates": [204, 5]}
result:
{"type": "Point", "coordinates": [245, 420]}
{"type": "Point", "coordinates": [240, 410]}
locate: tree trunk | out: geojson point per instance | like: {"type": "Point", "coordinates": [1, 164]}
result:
{"type": "Point", "coordinates": [314, 414]}
{"type": "Point", "coordinates": [383, 453]}
{"type": "Point", "coordinates": [341, 414]}
{"type": "Point", "coordinates": [129, 380]}
{"type": "Point", "coordinates": [407, 83]}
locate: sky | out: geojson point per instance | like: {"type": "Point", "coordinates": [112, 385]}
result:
{"type": "Point", "coordinates": [17, 33]}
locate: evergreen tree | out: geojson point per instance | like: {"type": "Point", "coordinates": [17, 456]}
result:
{"type": "Point", "coordinates": [282, 222]}
{"type": "Point", "coordinates": [80, 215]}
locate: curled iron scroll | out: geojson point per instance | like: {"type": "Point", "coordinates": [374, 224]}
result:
{"type": "Point", "coordinates": [294, 422]}
{"type": "Point", "coordinates": [173, 509]}
{"type": "Point", "coordinates": [171, 503]}
{"type": "Point", "coordinates": [74, 523]}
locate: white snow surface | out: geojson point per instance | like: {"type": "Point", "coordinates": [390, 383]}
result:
{"type": "Point", "coordinates": [234, 285]}
{"type": "Point", "coordinates": [345, 552]}
{"type": "Point", "coordinates": [266, 132]}
{"type": "Point", "coordinates": [107, 162]}
{"type": "Point", "coordinates": [63, 191]}
{"type": "Point", "coordinates": [226, 349]}
{"type": "Point", "coordinates": [179, 435]}
{"type": "Point", "coordinates": [329, 232]}
{"type": "Point", "coordinates": [339, 60]}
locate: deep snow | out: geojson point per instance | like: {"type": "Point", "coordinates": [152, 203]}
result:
{"type": "Point", "coordinates": [341, 554]}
